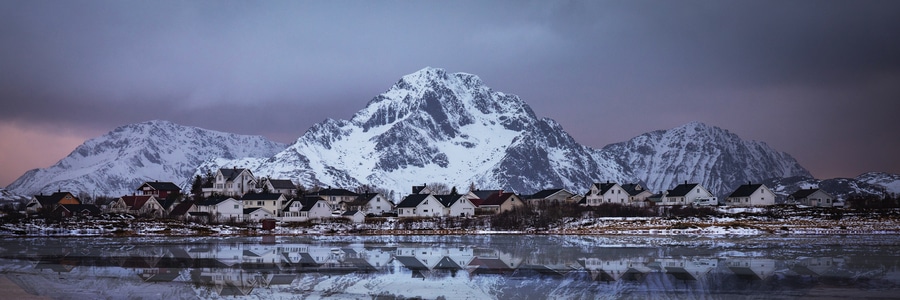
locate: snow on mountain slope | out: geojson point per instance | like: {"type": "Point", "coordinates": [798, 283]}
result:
{"type": "Point", "coordinates": [695, 152]}
{"type": "Point", "coordinates": [433, 126]}
{"type": "Point", "coordinates": [890, 182]}
{"type": "Point", "coordinates": [842, 188]}
{"type": "Point", "coordinates": [118, 162]}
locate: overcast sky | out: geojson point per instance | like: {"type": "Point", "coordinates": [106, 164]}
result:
{"type": "Point", "coordinates": [817, 79]}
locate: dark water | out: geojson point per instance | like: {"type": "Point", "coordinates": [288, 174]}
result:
{"type": "Point", "coordinates": [456, 267]}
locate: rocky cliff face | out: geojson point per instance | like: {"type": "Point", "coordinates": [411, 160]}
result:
{"type": "Point", "coordinates": [118, 162]}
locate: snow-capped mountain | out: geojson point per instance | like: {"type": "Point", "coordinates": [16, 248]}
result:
{"type": "Point", "coordinates": [695, 152]}
{"type": "Point", "coordinates": [118, 162]}
{"type": "Point", "coordinates": [842, 188]}
{"type": "Point", "coordinates": [890, 182]}
{"type": "Point", "coordinates": [433, 126]}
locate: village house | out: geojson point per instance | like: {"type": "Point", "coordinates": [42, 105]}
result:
{"type": "Point", "coordinates": [420, 205]}
{"type": "Point", "coordinates": [751, 195]}
{"type": "Point", "coordinates": [272, 202]}
{"type": "Point", "coordinates": [552, 196]}
{"type": "Point", "coordinates": [482, 194]}
{"type": "Point", "coordinates": [336, 198]}
{"type": "Point", "coordinates": [219, 209]}
{"type": "Point", "coordinates": [181, 210]}
{"type": "Point", "coordinates": [232, 182]}
{"type": "Point", "coordinates": [70, 210]}
{"type": "Point", "coordinates": [371, 203]}
{"type": "Point", "coordinates": [456, 205]}
{"type": "Point", "coordinates": [498, 202]}
{"type": "Point", "coordinates": [637, 195]}
{"type": "Point", "coordinates": [812, 197]}
{"type": "Point", "coordinates": [39, 203]}
{"type": "Point", "coordinates": [604, 193]}
{"type": "Point", "coordinates": [305, 209]}
{"type": "Point", "coordinates": [138, 205]}
{"type": "Point", "coordinates": [256, 214]}
{"type": "Point", "coordinates": [278, 186]}
{"type": "Point", "coordinates": [354, 216]}
{"type": "Point", "coordinates": [160, 190]}
{"type": "Point", "coordinates": [688, 194]}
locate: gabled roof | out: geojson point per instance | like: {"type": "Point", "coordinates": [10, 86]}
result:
{"type": "Point", "coordinates": [168, 202]}
{"type": "Point", "coordinates": [334, 192]}
{"type": "Point", "coordinates": [211, 201]}
{"type": "Point", "coordinates": [282, 184]}
{"type": "Point", "coordinates": [604, 187]}
{"type": "Point", "coordinates": [160, 186]}
{"type": "Point", "coordinates": [248, 211]}
{"type": "Point", "coordinates": [261, 196]}
{"type": "Point", "coordinates": [803, 193]}
{"type": "Point", "coordinates": [448, 200]}
{"type": "Point", "coordinates": [497, 199]}
{"type": "Point", "coordinates": [362, 199]}
{"type": "Point", "coordinates": [745, 190]}
{"type": "Point", "coordinates": [78, 208]}
{"type": "Point", "coordinates": [412, 200]}
{"type": "Point", "coordinates": [136, 202]}
{"type": "Point", "coordinates": [545, 193]}
{"type": "Point", "coordinates": [349, 213]}
{"type": "Point", "coordinates": [418, 188]}
{"type": "Point", "coordinates": [633, 189]}
{"type": "Point", "coordinates": [308, 202]}
{"type": "Point", "coordinates": [181, 209]}
{"type": "Point", "coordinates": [53, 198]}
{"type": "Point", "coordinates": [231, 174]}
{"type": "Point", "coordinates": [682, 189]}
{"type": "Point", "coordinates": [484, 194]}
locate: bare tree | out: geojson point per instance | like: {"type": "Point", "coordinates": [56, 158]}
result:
{"type": "Point", "coordinates": [439, 188]}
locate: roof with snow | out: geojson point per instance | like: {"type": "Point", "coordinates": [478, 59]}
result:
{"type": "Point", "coordinates": [682, 189]}
{"type": "Point", "coordinates": [745, 190]}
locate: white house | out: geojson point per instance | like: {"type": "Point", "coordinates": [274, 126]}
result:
{"type": "Point", "coordinates": [456, 205]}
{"type": "Point", "coordinates": [272, 202]}
{"type": "Point", "coordinates": [551, 196]}
{"type": "Point", "coordinates": [812, 197]}
{"type": "Point", "coordinates": [601, 193]}
{"type": "Point", "coordinates": [138, 205]}
{"type": "Point", "coordinates": [354, 216]}
{"type": "Point", "coordinates": [686, 194]}
{"type": "Point", "coordinates": [337, 198]}
{"type": "Point", "coordinates": [278, 186]}
{"type": "Point", "coordinates": [420, 205]}
{"type": "Point", "coordinates": [306, 209]}
{"type": "Point", "coordinates": [232, 182]}
{"type": "Point", "coordinates": [637, 195]}
{"type": "Point", "coordinates": [219, 209]}
{"type": "Point", "coordinates": [498, 202]}
{"type": "Point", "coordinates": [751, 195]}
{"type": "Point", "coordinates": [371, 203]}
{"type": "Point", "coordinates": [257, 214]}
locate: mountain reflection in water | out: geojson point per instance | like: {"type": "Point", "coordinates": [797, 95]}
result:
{"type": "Point", "coordinates": [481, 267]}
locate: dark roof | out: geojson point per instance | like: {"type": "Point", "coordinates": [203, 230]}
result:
{"type": "Point", "coordinates": [484, 194]}
{"type": "Point", "coordinates": [308, 202]}
{"type": "Point", "coordinates": [412, 200]}
{"type": "Point", "coordinates": [448, 200]}
{"type": "Point", "coordinates": [161, 186]}
{"type": "Point", "coordinates": [745, 190]}
{"type": "Point", "coordinates": [78, 208]}
{"type": "Point", "coordinates": [633, 189]}
{"type": "Point", "coordinates": [545, 193]}
{"type": "Point", "coordinates": [349, 212]}
{"type": "Point", "coordinates": [411, 263]}
{"type": "Point", "coordinates": [362, 199]}
{"type": "Point", "coordinates": [213, 201]}
{"type": "Point", "coordinates": [334, 192]}
{"type": "Point", "coordinates": [604, 187]}
{"type": "Point", "coordinates": [261, 196]}
{"type": "Point", "coordinates": [231, 174]}
{"type": "Point", "coordinates": [803, 193]}
{"type": "Point", "coordinates": [248, 211]}
{"type": "Point", "coordinates": [417, 189]}
{"type": "Point", "coordinates": [136, 202]}
{"type": "Point", "coordinates": [681, 190]}
{"type": "Point", "coordinates": [497, 199]}
{"type": "Point", "coordinates": [282, 184]}
{"type": "Point", "coordinates": [53, 198]}
{"type": "Point", "coordinates": [181, 209]}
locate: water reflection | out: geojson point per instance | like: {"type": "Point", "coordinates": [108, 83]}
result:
{"type": "Point", "coordinates": [506, 267]}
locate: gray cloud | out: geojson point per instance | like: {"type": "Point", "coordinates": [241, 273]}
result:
{"type": "Point", "coordinates": [619, 68]}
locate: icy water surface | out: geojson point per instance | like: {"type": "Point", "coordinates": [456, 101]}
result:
{"type": "Point", "coordinates": [455, 267]}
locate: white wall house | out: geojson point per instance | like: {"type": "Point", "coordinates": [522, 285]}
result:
{"type": "Point", "coordinates": [812, 197]}
{"type": "Point", "coordinates": [371, 203]}
{"type": "Point", "coordinates": [420, 205]}
{"type": "Point", "coordinates": [686, 194]}
{"type": "Point", "coordinates": [456, 205]}
{"type": "Point", "coordinates": [306, 209]}
{"type": "Point", "coordinates": [751, 195]}
{"type": "Point", "coordinates": [272, 202]}
{"type": "Point", "coordinates": [232, 182]}
{"type": "Point", "coordinates": [220, 209]}
{"type": "Point", "coordinates": [257, 214]}
{"type": "Point", "coordinates": [601, 193]}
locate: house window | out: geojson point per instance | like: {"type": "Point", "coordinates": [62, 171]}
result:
{"type": "Point", "coordinates": [235, 206]}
